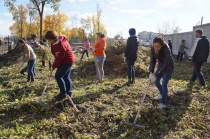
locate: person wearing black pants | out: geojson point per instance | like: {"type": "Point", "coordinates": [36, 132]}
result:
{"type": "Point", "coordinates": [199, 54]}
{"type": "Point", "coordinates": [181, 50]}
{"type": "Point", "coordinates": [131, 55]}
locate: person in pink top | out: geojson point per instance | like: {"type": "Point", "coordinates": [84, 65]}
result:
{"type": "Point", "coordinates": [86, 48]}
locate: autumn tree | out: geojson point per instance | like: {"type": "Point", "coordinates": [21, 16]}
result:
{"type": "Point", "coordinates": [85, 25]}
{"type": "Point", "coordinates": [32, 15]}
{"type": "Point", "coordinates": [19, 16]}
{"type": "Point", "coordinates": [96, 23]}
{"type": "Point", "coordinates": [57, 22]}
{"type": "Point", "coordinates": [37, 5]}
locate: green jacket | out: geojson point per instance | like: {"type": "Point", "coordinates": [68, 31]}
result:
{"type": "Point", "coordinates": [182, 47]}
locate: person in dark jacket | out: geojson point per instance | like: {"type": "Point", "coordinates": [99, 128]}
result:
{"type": "Point", "coordinates": [170, 46]}
{"type": "Point", "coordinates": [64, 59]}
{"type": "Point", "coordinates": [161, 52]}
{"type": "Point", "coordinates": [131, 55]}
{"type": "Point", "coordinates": [199, 54]}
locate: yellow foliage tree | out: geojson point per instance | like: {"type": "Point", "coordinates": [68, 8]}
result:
{"type": "Point", "coordinates": [57, 22]}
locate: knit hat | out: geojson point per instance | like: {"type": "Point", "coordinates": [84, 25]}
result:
{"type": "Point", "coordinates": [51, 34]}
{"type": "Point", "coordinates": [132, 31]}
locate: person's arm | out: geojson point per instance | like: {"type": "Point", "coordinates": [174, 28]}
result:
{"type": "Point", "coordinates": [165, 61]}
{"type": "Point", "coordinates": [194, 47]}
{"type": "Point", "coordinates": [59, 54]}
{"type": "Point", "coordinates": [152, 61]}
{"type": "Point", "coordinates": [185, 46]}
{"type": "Point", "coordinates": [26, 53]}
{"type": "Point", "coordinates": [127, 48]}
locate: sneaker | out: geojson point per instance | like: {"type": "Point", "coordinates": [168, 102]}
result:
{"type": "Point", "coordinates": [199, 87]}
{"type": "Point", "coordinates": [161, 106]}
{"type": "Point", "coordinates": [159, 97]}
{"type": "Point", "coordinates": [60, 97]}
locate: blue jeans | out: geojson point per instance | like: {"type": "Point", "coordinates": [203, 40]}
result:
{"type": "Point", "coordinates": [131, 71]}
{"type": "Point", "coordinates": [26, 68]}
{"type": "Point", "coordinates": [63, 79]}
{"type": "Point", "coordinates": [31, 69]}
{"type": "Point", "coordinates": [163, 89]}
{"type": "Point", "coordinates": [99, 63]}
{"type": "Point", "coordinates": [83, 53]}
{"type": "Point", "coordinates": [198, 73]}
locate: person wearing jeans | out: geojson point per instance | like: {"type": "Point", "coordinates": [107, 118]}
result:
{"type": "Point", "coordinates": [86, 48]}
{"type": "Point", "coordinates": [29, 56]}
{"type": "Point", "coordinates": [99, 55]}
{"type": "Point", "coordinates": [26, 68]}
{"type": "Point", "coordinates": [64, 59]}
{"type": "Point", "coordinates": [163, 88]}
{"type": "Point", "coordinates": [199, 54]}
{"type": "Point", "coordinates": [131, 55]}
{"type": "Point", "coordinates": [63, 79]}
{"type": "Point", "coordinates": [161, 52]}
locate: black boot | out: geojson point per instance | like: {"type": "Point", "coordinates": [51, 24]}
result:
{"type": "Point", "coordinates": [69, 94]}
{"type": "Point", "coordinates": [60, 97]}
{"type": "Point", "coordinates": [129, 82]}
{"type": "Point", "coordinates": [22, 73]}
{"type": "Point", "coordinates": [133, 81]}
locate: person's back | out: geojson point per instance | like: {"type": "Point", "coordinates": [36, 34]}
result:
{"type": "Point", "coordinates": [28, 51]}
{"type": "Point", "coordinates": [64, 49]}
{"type": "Point", "coordinates": [131, 48]}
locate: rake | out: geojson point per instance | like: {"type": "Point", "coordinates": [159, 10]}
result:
{"type": "Point", "coordinates": [139, 110]}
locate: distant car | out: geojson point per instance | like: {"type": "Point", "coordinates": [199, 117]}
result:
{"type": "Point", "coordinates": [147, 44]}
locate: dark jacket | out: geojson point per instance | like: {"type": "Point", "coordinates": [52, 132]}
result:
{"type": "Point", "coordinates": [62, 52]}
{"type": "Point", "coordinates": [170, 46]}
{"type": "Point", "coordinates": [202, 50]}
{"type": "Point", "coordinates": [165, 60]}
{"type": "Point", "coordinates": [131, 48]}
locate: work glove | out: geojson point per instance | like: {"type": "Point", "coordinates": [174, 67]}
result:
{"type": "Point", "coordinates": [152, 77]}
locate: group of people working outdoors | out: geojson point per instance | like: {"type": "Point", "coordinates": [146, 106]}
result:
{"type": "Point", "coordinates": [160, 54]}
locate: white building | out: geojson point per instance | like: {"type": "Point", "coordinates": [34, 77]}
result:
{"type": "Point", "coordinates": [145, 37]}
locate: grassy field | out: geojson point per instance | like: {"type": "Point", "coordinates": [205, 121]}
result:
{"type": "Point", "coordinates": [104, 106]}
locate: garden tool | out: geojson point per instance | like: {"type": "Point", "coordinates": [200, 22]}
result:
{"type": "Point", "coordinates": [139, 109]}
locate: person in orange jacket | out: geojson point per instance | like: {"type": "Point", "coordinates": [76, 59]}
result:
{"type": "Point", "coordinates": [99, 55]}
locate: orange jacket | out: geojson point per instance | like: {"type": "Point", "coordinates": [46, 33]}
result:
{"type": "Point", "coordinates": [100, 47]}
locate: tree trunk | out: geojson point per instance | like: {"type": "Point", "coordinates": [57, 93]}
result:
{"type": "Point", "coordinates": [21, 28]}
{"type": "Point", "coordinates": [41, 18]}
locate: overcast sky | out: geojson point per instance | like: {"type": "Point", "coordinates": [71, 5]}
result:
{"type": "Point", "coordinates": [120, 15]}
